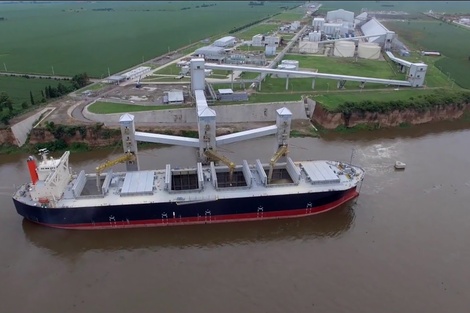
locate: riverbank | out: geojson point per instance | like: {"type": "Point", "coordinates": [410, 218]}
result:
{"type": "Point", "coordinates": [84, 138]}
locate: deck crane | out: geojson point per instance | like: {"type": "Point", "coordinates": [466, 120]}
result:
{"type": "Point", "coordinates": [213, 155]}
{"type": "Point", "coordinates": [128, 156]}
{"type": "Point", "coordinates": [281, 151]}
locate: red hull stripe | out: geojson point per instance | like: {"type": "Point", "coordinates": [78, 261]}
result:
{"type": "Point", "coordinates": [215, 219]}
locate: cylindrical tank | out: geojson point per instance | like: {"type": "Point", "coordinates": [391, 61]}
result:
{"type": "Point", "coordinates": [314, 36]}
{"type": "Point", "coordinates": [368, 50]}
{"type": "Point", "coordinates": [270, 50]}
{"type": "Point", "coordinates": [290, 63]}
{"type": "Point", "coordinates": [289, 67]}
{"type": "Point", "coordinates": [344, 49]}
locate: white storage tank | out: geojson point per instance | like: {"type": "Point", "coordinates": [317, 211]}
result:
{"type": "Point", "coordinates": [293, 63]}
{"type": "Point", "coordinates": [368, 50]}
{"type": "Point", "coordinates": [289, 67]}
{"type": "Point", "coordinates": [308, 47]}
{"type": "Point", "coordinates": [344, 49]}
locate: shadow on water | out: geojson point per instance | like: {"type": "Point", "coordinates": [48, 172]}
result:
{"type": "Point", "coordinates": [72, 243]}
{"type": "Point", "coordinates": [414, 131]}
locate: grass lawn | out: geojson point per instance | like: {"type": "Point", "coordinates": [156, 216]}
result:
{"type": "Point", "coordinates": [171, 69]}
{"type": "Point", "coordinates": [247, 34]}
{"type": "Point", "coordinates": [100, 107]}
{"type": "Point", "coordinates": [347, 66]}
{"type": "Point", "coordinates": [288, 17]}
{"type": "Point", "coordinates": [94, 87]}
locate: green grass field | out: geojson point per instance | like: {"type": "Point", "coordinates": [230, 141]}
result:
{"type": "Point", "coordinates": [100, 107]}
{"type": "Point", "coordinates": [263, 28]}
{"type": "Point", "coordinates": [346, 66]}
{"type": "Point", "coordinates": [74, 37]}
{"type": "Point", "coordinates": [431, 35]}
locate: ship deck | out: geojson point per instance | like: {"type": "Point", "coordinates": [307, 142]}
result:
{"type": "Point", "coordinates": [151, 186]}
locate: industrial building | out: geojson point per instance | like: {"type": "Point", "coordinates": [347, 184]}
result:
{"type": "Point", "coordinates": [270, 50]}
{"type": "Point", "coordinates": [341, 16]}
{"type": "Point", "coordinates": [378, 33]}
{"type": "Point", "coordinates": [261, 40]}
{"type": "Point", "coordinates": [174, 97]}
{"type": "Point", "coordinates": [134, 73]}
{"type": "Point", "coordinates": [229, 95]}
{"type": "Point", "coordinates": [211, 53]}
{"type": "Point", "coordinates": [226, 41]}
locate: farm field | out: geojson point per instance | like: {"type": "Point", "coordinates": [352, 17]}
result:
{"type": "Point", "coordinates": [92, 36]}
{"type": "Point", "coordinates": [453, 42]}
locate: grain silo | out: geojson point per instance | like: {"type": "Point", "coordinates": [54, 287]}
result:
{"type": "Point", "coordinates": [368, 50]}
{"type": "Point", "coordinates": [314, 36]}
{"type": "Point", "coordinates": [344, 49]}
{"type": "Point", "coordinates": [317, 23]}
{"type": "Point", "coordinates": [270, 50]}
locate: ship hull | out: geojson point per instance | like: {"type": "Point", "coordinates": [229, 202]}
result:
{"type": "Point", "coordinates": [166, 214]}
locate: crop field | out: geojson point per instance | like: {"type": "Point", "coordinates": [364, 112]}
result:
{"type": "Point", "coordinates": [431, 35]}
{"type": "Point", "coordinates": [92, 36]}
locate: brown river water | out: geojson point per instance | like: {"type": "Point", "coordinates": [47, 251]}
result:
{"type": "Point", "coordinates": [402, 246]}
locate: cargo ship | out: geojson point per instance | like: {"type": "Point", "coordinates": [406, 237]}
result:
{"type": "Point", "coordinates": [56, 197]}
{"type": "Point", "coordinates": [215, 190]}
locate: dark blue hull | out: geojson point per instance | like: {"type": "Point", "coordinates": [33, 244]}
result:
{"type": "Point", "coordinates": [160, 214]}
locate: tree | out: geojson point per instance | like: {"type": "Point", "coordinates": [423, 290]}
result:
{"type": "Point", "coordinates": [24, 104]}
{"type": "Point", "coordinates": [42, 93]}
{"type": "Point", "coordinates": [5, 101]}
{"type": "Point", "coordinates": [80, 80]}
{"type": "Point", "coordinates": [46, 91]}
{"type": "Point", "coordinates": [62, 90]}
{"type": "Point", "coordinates": [31, 97]}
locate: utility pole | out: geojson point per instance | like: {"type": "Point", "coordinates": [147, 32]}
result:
{"type": "Point", "coordinates": [53, 71]}
{"type": "Point", "coordinates": [109, 73]}
{"type": "Point", "coordinates": [5, 66]}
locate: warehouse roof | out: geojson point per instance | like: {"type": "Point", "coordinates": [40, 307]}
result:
{"type": "Point", "coordinates": [210, 50]}
{"type": "Point", "coordinates": [374, 27]}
